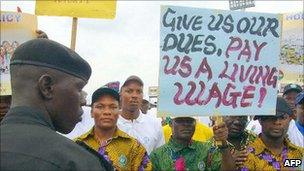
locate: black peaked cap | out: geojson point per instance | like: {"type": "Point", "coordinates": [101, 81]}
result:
{"type": "Point", "coordinates": [48, 53]}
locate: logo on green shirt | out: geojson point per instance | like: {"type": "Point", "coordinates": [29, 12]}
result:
{"type": "Point", "coordinates": [201, 165]}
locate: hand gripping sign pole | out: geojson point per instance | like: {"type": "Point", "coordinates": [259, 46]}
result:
{"type": "Point", "coordinates": [217, 121]}
{"type": "Point", "coordinates": [234, 5]}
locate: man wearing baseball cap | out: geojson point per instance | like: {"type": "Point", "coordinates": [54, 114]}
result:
{"type": "Point", "coordinates": [118, 148]}
{"type": "Point", "coordinates": [270, 150]}
{"type": "Point", "coordinates": [290, 92]}
{"type": "Point", "coordinates": [146, 129]}
{"type": "Point", "coordinates": [184, 153]}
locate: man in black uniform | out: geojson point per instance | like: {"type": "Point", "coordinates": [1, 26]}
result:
{"type": "Point", "coordinates": [47, 80]}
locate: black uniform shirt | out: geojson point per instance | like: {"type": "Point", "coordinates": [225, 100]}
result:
{"type": "Point", "coordinates": [29, 142]}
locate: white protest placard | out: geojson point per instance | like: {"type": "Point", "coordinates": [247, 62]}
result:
{"type": "Point", "coordinates": [217, 61]}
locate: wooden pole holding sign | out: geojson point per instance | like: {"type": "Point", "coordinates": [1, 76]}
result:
{"type": "Point", "coordinates": [74, 33]}
{"type": "Point", "coordinates": [218, 120]}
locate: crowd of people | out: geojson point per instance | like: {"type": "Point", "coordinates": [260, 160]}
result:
{"type": "Point", "coordinates": [47, 79]}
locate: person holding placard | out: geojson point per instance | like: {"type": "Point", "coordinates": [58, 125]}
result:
{"type": "Point", "coordinates": [184, 153]}
{"type": "Point", "coordinates": [238, 137]}
{"type": "Point", "coordinates": [202, 132]}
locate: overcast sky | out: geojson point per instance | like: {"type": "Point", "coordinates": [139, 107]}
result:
{"type": "Point", "coordinates": [129, 44]}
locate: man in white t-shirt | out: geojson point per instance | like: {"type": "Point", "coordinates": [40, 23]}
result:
{"type": "Point", "coordinates": [146, 129]}
{"type": "Point", "coordinates": [296, 127]}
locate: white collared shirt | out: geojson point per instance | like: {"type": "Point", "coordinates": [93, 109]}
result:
{"type": "Point", "coordinates": [294, 134]}
{"type": "Point", "coordinates": [146, 129]}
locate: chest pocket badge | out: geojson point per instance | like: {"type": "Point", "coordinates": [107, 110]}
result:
{"type": "Point", "coordinates": [122, 160]}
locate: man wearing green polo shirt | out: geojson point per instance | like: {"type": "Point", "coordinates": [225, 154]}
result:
{"type": "Point", "coordinates": [183, 153]}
